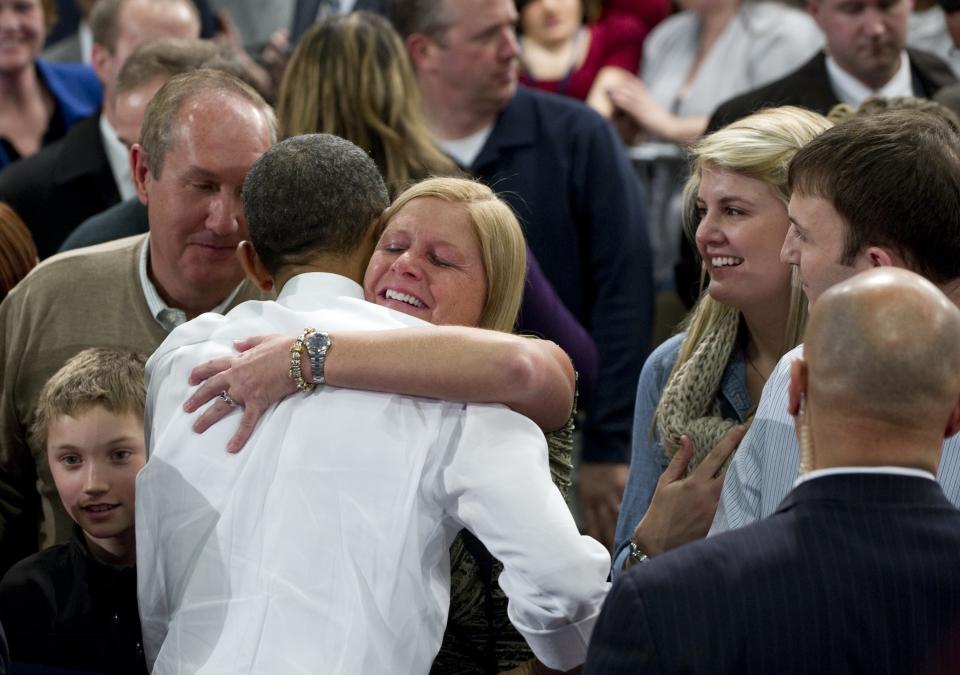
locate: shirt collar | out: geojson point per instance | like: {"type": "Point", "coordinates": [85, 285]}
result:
{"type": "Point", "coordinates": [330, 284]}
{"type": "Point", "coordinates": [853, 92]}
{"type": "Point", "coordinates": [85, 35]}
{"type": "Point", "coordinates": [169, 317]}
{"type": "Point", "coordinates": [119, 158]}
{"type": "Point", "coordinates": [889, 470]}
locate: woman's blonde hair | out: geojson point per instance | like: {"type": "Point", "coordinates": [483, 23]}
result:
{"type": "Point", "coordinates": [759, 146]}
{"type": "Point", "coordinates": [351, 77]}
{"type": "Point", "coordinates": [502, 246]}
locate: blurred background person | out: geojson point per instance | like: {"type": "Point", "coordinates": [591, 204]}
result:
{"type": "Point", "coordinates": [350, 77]}
{"type": "Point", "coordinates": [88, 170]}
{"type": "Point", "coordinates": [707, 53]}
{"type": "Point", "coordinates": [39, 100]}
{"type": "Point", "coordinates": [578, 48]}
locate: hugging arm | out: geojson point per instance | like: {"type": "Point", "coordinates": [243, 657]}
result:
{"type": "Point", "coordinates": [533, 377]}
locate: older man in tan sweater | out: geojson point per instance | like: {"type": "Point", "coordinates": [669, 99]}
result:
{"type": "Point", "coordinates": [201, 133]}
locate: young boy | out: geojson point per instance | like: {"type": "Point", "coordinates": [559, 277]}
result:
{"type": "Point", "coordinates": [75, 605]}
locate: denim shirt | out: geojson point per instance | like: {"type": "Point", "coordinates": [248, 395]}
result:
{"type": "Point", "coordinates": [648, 457]}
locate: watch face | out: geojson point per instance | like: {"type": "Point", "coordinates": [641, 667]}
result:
{"type": "Point", "coordinates": [318, 342]}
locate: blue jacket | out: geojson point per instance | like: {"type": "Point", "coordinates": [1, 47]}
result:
{"type": "Point", "coordinates": [566, 175]}
{"type": "Point", "coordinates": [76, 90]}
{"type": "Point", "coordinates": [648, 458]}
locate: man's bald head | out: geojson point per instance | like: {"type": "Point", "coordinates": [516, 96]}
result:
{"type": "Point", "coordinates": [884, 346]}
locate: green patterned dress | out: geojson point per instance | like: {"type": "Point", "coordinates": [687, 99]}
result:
{"type": "Point", "coordinates": [479, 637]}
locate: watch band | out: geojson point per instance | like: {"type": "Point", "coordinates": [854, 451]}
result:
{"type": "Point", "coordinates": [318, 344]}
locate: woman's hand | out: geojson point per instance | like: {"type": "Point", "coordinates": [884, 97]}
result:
{"type": "Point", "coordinates": [632, 97]}
{"type": "Point", "coordinates": [255, 379]}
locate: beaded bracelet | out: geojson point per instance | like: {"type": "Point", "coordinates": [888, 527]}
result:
{"type": "Point", "coordinates": [296, 352]}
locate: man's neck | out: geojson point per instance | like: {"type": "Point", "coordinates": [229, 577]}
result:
{"type": "Point", "coordinates": [16, 88]}
{"type": "Point", "coordinates": [850, 440]}
{"type": "Point", "coordinates": [119, 550]}
{"type": "Point", "coordinates": [194, 303]}
{"type": "Point", "coordinates": [452, 122]}
{"type": "Point", "coordinates": [351, 267]}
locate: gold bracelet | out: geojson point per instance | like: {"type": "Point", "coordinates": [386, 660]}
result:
{"type": "Point", "coordinates": [296, 370]}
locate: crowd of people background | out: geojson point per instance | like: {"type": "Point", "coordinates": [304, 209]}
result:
{"type": "Point", "coordinates": [437, 335]}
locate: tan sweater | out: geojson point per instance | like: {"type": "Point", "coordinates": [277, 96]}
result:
{"type": "Point", "coordinates": [90, 297]}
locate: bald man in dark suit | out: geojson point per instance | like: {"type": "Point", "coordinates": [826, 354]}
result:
{"type": "Point", "coordinates": [857, 572]}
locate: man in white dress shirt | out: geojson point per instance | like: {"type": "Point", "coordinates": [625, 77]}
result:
{"type": "Point", "coordinates": [875, 191]}
{"type": "Point", "coordinates": [322, 546]}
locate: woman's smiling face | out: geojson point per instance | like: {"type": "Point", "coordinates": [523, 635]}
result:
{"type": "Point", "coordinates": [428, 264]}
{"type": "Point", "coordinates": [742, 227]}
{"type": "Point", "coordinates": [21, 33]}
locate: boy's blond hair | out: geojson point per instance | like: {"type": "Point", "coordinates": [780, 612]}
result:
{"type": "Point", "coordinates": [109, 378]}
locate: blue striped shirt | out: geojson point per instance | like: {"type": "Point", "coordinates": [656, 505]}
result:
{"type": "Point", "coordinates": [767, 462]}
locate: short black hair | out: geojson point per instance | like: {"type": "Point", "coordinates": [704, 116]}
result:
{"type": "Point", "coordinates": [309, 194]}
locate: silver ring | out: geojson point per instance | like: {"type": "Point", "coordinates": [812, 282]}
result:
{"type": "Point", "coordinates": [225, 397]}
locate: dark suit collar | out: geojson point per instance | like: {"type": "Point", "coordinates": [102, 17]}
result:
{"type": "Point", "coordinates": [516, 126]}
{"type": "Point", "coordinates": [867, 488]}
{"type": "Point", "coordinates": [930, 73]}
{"type": "Point", "coordinates": [82, 152]}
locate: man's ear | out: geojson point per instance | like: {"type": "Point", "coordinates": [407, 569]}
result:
{"type": "Point", "coordinates": [881, 256]}
{"type": "Point", "coordinates": [100, 58]}
{"type": "Point", "coordinates": [140, 171]}
{"type": "Point", "coordinates": [813, 9]}
{"type": "Point", "coordinates": [798, 385]}
{"type": "Point", "coordinates": [953, 424]}
{"type": "Point", "coordinates": [253, 267]}
{"type": "Point", "coordinates": [421, 49]}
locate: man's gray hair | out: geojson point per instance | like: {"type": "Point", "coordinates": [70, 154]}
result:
{"type": "Point", "coordinates": [308, 195]}
{"type": "Point", "coordinates": [428, 17]}
{"type": "Point", "coordinates": [157, 132]}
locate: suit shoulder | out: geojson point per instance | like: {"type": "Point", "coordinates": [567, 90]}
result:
{"type": "Point", "coordinates": [561, 112]}
{"type": "Point", "coordinates": [779, 92]}
{"type": "Point", "coordinates": [932, 67]}
{"type": "Point", "coordinates": [30, 174]}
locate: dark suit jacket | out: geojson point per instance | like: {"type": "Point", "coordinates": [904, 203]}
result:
{"type": "Point", "coordinates": [809, 86]}
{"type": "Point", "coordinates": [61, 186]}
{"type": "Point", "coordinates": [855, 573]}
{"type": "Point", "coordinates": [121, 220]}
{"type": "Point", "coordinates": [305, 12]}
{"type": "Point", "coordinates": [562, 169]}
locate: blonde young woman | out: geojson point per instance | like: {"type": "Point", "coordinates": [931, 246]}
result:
{"type": "Point", "coordinates": [707, 379]}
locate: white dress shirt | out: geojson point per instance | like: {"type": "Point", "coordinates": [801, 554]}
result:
{"type": "Point", "coordinates": [118, 156]}
{"type": "Point", "coordinates": [323, 545]}
{"type": "Point", "coordinates": [853, 92]}
{"type": "Point", "coordinates": [767, 463]}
